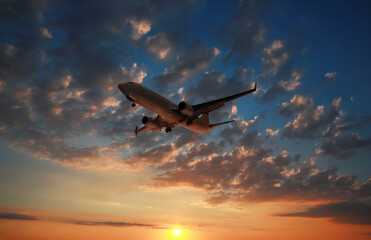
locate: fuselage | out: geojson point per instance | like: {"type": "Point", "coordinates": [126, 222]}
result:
{"type": "Point", "coordinates": [165, 108]}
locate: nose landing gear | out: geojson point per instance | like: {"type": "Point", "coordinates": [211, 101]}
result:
{"type": "Point", "coordinates": [131, 100]}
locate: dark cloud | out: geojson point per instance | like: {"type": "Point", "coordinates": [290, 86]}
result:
{"type": "Point", "coordinates": [168, 44]}
{"type": "Point", "coordinates": [311, 120]}
{"type": "Point", "coordinates": [16, 216]}
{"type": "Point", "coordinates": [167, 152]}
{"type": "Point", "coordinates": [200, 151]}
{"type": "Point", "coordinates": [159, 45]}
{"type": "Point", "coordinates": [244, 33]}
{"type": "Point", "coordinates": [13, 10]}
{"type": "Point", "coordinates": [296, 105]}
{"type": "Point", "coordinates": [198, 57]}
{"type": "Point", "coordinates": [222, 85]}
{"type": "Point", "coordinates": [348, 124]}
{"type": "Point", "coordinates": [344, 147]}
{"type": "Point", "coordinates": [232, 133]}
{"type": "Point", "coordinates": [281, 87]}
{"type": "Point", "coordinates": [251, 139]}
{"type": "Point", "coordinates": [348, 212]}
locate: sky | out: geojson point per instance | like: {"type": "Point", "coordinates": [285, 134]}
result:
{"type": "Point", "coordinates": [294, 165]}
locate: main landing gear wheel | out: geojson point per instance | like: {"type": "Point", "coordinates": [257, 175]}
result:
{"type": "Point", "coordinates": [168, 130]}
{"type": "Point", "coordinates": [133, 104]}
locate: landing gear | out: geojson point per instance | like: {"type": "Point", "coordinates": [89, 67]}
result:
{"type": "Point", "coordinates": [131, 100]}
{"type": "Point", "coordinates": [168, 129]}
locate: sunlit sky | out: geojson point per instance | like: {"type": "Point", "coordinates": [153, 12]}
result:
{"type": "Point", "coordinates": [294, 165]}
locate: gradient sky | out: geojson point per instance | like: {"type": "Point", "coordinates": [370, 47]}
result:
{"type": "Point", "coordinates": [295, 165]}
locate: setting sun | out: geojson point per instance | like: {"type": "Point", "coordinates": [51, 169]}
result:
{"type": "Point", "coordinates": [177, 232]}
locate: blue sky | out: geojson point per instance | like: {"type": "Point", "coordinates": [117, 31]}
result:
{"type": "Point", "coordinates": [306, 130]}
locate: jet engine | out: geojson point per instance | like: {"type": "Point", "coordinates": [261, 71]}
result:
{"type": "Point", "coordinates": [186, 109]}
{"type": "Point", "coordinates": [151, 123]}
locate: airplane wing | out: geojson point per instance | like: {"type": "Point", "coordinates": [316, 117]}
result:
{"type": "Point", "coordinates": [218, 103]}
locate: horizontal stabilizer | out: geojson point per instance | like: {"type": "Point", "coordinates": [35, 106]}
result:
{"type": "Point", "coordinates": [144, 128]}
{"type": "Point", "coordinates": [219, 124]}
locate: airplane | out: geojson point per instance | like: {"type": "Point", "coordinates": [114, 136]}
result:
{"type": "Point", "coordinates": [169, 114]}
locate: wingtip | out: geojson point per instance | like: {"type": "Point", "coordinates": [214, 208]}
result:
{"type": "Point", "coordinates": [255, 86]}
{"type": "Point", "coordinates": [136, 131]}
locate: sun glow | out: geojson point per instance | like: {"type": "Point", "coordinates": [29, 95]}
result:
{"type": "Point", "coordinates": [177, 232]}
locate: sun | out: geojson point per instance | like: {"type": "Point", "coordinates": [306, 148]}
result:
{"type": "Point", "coordinates": [177, 232]}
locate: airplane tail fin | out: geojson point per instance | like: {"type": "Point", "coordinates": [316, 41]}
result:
{"type": "Point", "coordinates": [219, 124]}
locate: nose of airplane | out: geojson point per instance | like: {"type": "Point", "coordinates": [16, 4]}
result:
{"type": "Point", "coordinates": [122, 87]}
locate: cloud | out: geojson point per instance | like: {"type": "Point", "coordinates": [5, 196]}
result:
{"type": "Point", "coordinates": [311, 119]}
{"type": "Point", "coordinates": [280, 67]}
{"type": "Point", "coordinates": [230, 134]}
{"type": "Point", "coordinates": [16, 216]}
{"type": "Point", "coordinates": [222, 85]}
{"type": "Point", "coordinates": [211, 172]}
{"type": "Point", "coordinates": [164, 153]}
{"type": "Point", "coordinates": [154, 155]}
{"type": "Point", "coordinates": [159, 45]}
{"type": "Point", "coordinates": [347, 212]}
{"type": "Point", "coordinates": [343, 148]}
{"type": "Point", "coordinates": [116, 224]}
{"type": "Point", "coordinates": [296, 105]}
{"type": "Point", "coordinates": [244, 33]}
{"type": "Point", "coordinates": [270, 132]}
{"type": "Point", "coordinates": [251, 173]}
{"type": "Point", "coordinates": [134, 74]}
{"type": "Point", "coordinates": [139, 28]}
{"type": "Point", "coordinates": [276, 56]}
{"type": "Point", "coordinates": [198, 57]}
{"type": "Point", "coordinates": [331, 75]}
{"type": "Point", "coordinates": [281, 87]}
{"type": "Point", "coordinates": [251, 139]}
{"type": "Point", "coordinates": [45, 33]}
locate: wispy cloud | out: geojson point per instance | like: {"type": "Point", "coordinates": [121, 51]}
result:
{"type": "Point", "coordinates": [16, 216]}
{"type": "Point", "coordinates": [117, 224]}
